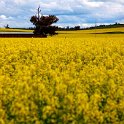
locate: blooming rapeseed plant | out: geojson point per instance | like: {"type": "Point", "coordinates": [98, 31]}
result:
{"type": "Point", "coordinates": [62, 81]}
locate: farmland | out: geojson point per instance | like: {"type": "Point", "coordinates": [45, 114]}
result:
{"type": "Point", "coordinates": [14, 30]}
{"type": "Point", "coordinates": [76, 77]}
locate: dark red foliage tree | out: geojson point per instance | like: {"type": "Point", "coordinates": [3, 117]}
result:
{"type": "Point", "coordinates": [43, 24]}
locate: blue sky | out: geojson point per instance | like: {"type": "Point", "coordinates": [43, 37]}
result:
{"type": "Point", "coordinates": [85, 13]}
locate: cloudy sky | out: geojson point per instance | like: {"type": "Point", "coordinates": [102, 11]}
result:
{"type": "Point", "coordinates": [85, 13]}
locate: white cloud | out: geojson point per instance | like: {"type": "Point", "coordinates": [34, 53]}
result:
{"type": "Point", "coordinates": [3, 17]}
{"type": "Point", "coordinates": [73, 12]}
{"type": "Point", "coordinates": [91, 3]}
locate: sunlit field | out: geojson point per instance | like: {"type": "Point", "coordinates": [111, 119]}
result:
{"type": "Point", "coordinates": [76, 77]}
{"type": "Point", "coordinates": [14, 30]}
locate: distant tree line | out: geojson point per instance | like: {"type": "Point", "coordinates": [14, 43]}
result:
{"type": "Point", "coordinates": [116, 25]}
{"type": "Point", "coordinates": [69, 28]}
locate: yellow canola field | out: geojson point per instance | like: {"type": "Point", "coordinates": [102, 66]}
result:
{"type": "Point", "coordinates": [62, 80]}
{"type": "Point", "coordinates": [14, 30]}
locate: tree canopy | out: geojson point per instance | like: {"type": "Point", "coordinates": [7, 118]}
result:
{"type": "Point", "coordinates": [43, 24]}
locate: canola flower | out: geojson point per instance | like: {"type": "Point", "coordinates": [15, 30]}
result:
{"type": "Point", "coordinates": [62, 81]}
